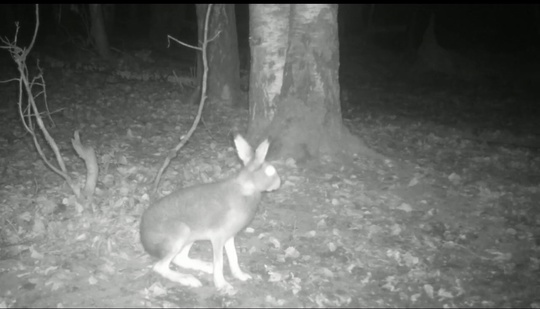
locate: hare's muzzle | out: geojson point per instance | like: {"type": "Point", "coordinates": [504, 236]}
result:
{"type": "Point", "coordinates": [271, 172]}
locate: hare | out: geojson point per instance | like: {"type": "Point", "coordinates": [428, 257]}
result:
{"type": "Point", "coordinates": [213, 211]}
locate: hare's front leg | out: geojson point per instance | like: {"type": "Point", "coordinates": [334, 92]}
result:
{"type": "Point", "coordinates": [233, 261]}
{"type": "Point", "coordinates": [219, 281]}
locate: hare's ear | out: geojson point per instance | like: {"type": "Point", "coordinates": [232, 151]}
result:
{"type": "Point", "coordinates": [243, 149]}
{"type": "Point", "coordinates": [261, 151]}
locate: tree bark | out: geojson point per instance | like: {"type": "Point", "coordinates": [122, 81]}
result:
{"type": "Point", "coordinates": [536, 8]}
{"type": "Point", "coordinates": [294, 86]}
{"type": "Point", "coordinates": [269, 28]}
{"type": "Point", "coordinates": [223, 60]}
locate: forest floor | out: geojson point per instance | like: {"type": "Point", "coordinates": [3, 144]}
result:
{"type": "Point", "coordinates": [452, 220]}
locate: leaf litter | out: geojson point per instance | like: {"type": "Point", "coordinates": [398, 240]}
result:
{"type": "Point", "coordinates": [451, 222]}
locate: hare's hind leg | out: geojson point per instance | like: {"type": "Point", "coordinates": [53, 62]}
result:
{"type": "Point", "coordinates": [162, 266]}
{"type": "Point", "coordinates": [183, 260]}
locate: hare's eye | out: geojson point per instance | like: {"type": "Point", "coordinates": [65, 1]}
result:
{"type": "Point", "coordinates": [270, 170]}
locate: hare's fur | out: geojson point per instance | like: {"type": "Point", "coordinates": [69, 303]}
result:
{"type": "Point", "coordinates": [214, 211]}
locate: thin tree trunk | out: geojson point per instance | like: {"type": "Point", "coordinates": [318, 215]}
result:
{"type": "Point", "coordinates": [108, 17]}
{"type": "Point", "coordinates": [98, 31]}
{"type": "Point", "coordinates": [223, 62]}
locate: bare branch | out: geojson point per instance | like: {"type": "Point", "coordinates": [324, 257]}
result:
{"type": "Point", "coordinates": [169, 38]}
{"type": "Point", "coordinates": [215, 36]}
{"type": "Point", "coordinates": [28, 110]}
{"type": "Point", "coordinates": [204, 49]}
{"type": "Point", "coordinates": [35, 31]}
{"type": "Point", "coordinates": [88, 154]}
{"type": "Point", "coordinates": [9, 81]}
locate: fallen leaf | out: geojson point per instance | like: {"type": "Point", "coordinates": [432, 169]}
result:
{"type": "Point", "coordinates": [429, 290]}
{"type": "Point", "coordinates": [326, 272]}
{"type": "Point", "coordinates": [415, 297]}
{"type": "Point", "coordinates": [444, 294]}
{"type": "Point", "coordinates": [331, 246]}
{"type": "Point", "coordinates": [390, 283]}
{"type": "Point", "coordinates": [47, 206]}
{"type": "Point", "coordinates": [292, 253]}
{"type": "Point", "coordinates": [38, 228]}
{"type": "Point", "coordinates": [81, 237]}
{"type": "Point", "coordinates": [410, 260]}
{"type": "Point", "coordinates": [413, 182]}
{"type": "Point", "coordinates": [35, 254]}
{"type": "Point", "coordinates": [157, 290]}
{"type": "Point", "coordinates": [311, 234]}
{"type": "Point", "coordinates": [56, 283]}
{"type": "Point", "coordinates": [396, 229]}
{"type": "Point", "coordinates": [454, 178]}
{"type": "Point", "coordinates": [275, 242]}
{"type": "Point", "coordinates": [49, 269]}
{"type": "Point", "coordinates": [405, 207]}
{"type": "Point", "coordinates": [290, 162]}
{"type": "Point", "coordinates": [274, 276]}
{"type": "Point", "coordinates": [92, 280]}
{"type": "Point", "coordinates": [26, 216]}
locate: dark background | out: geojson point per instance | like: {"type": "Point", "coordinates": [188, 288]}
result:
{"type": "Point", "coordinates": [493, 27]}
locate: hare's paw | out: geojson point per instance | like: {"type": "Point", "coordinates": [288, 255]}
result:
{"type": "Point", "coordinates": [186, 262]}
{"type": "Point", "coordinates": [188, 280]}
{"type": "Point", "coordinates": [226, 288]}
{"type": "Point", "coordinates": [203, 266]}
{"type": "Point", "coordinates": [240, 275]}
{"type": "Point", "coordinates": [183, 279]}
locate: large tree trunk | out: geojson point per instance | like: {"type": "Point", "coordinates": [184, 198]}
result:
{"type": "Point", "coordinates": [294, 86]}
{"type": "Point", "coordinates": [419, 20]}
{"type": "Point", "coordinates": [223, 62]}
{"type": "Point", "coordinates": [133, 16]}
{"type": "Point", "coordinates": [431, 56]}
{"type": "Point", "coordinates": [99, 35]}
{"type": "Point", "coordinates": [108, 17]}
{"type": "Point", "coordinates": [536, 8]}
